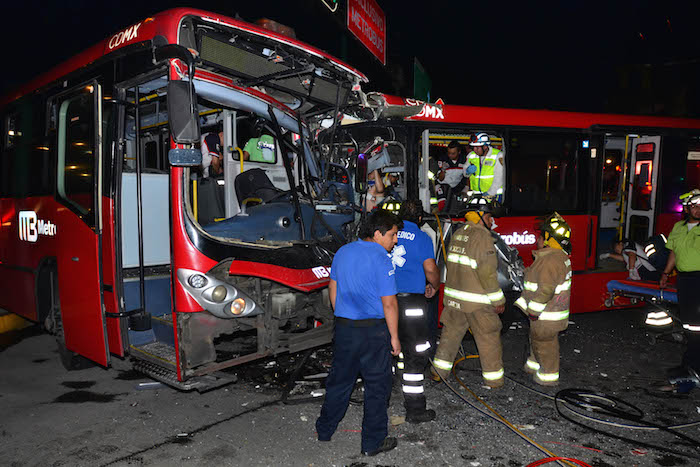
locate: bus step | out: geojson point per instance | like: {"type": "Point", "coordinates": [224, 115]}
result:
{"type": "Point", "coordinates": [157, 353]}
{"type": "Point", "coordinates": [169, 377]}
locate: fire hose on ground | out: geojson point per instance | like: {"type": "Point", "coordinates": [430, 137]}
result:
{"type": "Point", "coordinates": [570, 399]}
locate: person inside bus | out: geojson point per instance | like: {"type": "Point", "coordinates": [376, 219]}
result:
{"type": "Point", "coordinates": [451, 178]}
{"type": "Point", "coordinates": [212, 154]}
{"type": "Point", "coordinates": [378, 188]}
{"type": "Point", "coordinates": [261, 147]}
{"type": "Point", "coordinates": [487, 167]}
{"type": "Point", "coordinates": [391, 184]}
{"type": "Point", "coordinates": [635, 259]}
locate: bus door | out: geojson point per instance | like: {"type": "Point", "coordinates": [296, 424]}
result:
{"type": "Point", "coordinates": [79, 188]}
{"type": "Point", "coordinates": [614, 157]}
{"type": "Point", "coordinates": [641, 196]}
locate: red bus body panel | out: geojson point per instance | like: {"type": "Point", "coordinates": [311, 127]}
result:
{"type": "Point", "coordinates": [582, 228]}
{"type": "Point", "coordinates": [79, 288]}
{"type": "Point", "coordinates": [304, 280]}
{"type": "Point", "coordinates": [109, 273]}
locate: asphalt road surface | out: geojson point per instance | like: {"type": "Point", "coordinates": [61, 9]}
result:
{"type": "Point", "coordinates": [108, 417]}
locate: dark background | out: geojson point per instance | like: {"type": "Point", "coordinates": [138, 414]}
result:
{"type": "Point", "coordinates": [628, 57]}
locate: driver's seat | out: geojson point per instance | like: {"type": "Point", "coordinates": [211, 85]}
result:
{"type": "Point", "coordinates": [254, 183]}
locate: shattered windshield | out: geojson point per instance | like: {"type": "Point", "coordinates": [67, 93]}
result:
{"type": "Point", "coordinates": [260, 181]}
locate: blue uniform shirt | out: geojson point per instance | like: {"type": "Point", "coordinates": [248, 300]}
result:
{"type": "Point", "coordinates": [413, 248]}
{"type": "Point", "coordinates": [364, 273]}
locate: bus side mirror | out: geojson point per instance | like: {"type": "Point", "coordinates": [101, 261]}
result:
{"type": "Point", "coordinates": [185, 157]}
{"type": "Point", "coordinates": [183, 114]}
{"type": "Point", "coordinates": [361, 173]}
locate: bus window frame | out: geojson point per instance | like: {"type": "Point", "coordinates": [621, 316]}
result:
{"type": "Point", "coordinates": [94, 221]}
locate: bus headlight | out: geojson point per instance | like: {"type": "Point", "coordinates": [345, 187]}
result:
{"type": "Point", "coordinates": [219, 293]}
{"type": "Point", "coordinates": [221, 299]}
{"type": "Point", "coordinates": [237, 306]}
{"type": "Point", "coordinates": [197, 281]}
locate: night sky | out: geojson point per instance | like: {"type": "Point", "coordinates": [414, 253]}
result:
{"type": "Point", "coordinates": [634, 57]}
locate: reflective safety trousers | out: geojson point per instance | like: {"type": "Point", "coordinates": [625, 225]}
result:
{"type": "Point", "coordinates": [472, 270]}
{"type": "Point", "coordinates": [414, 335]}
{"type": "Point", "coordinates": [482, 180]}
{"type": "Point", "coordinates": [547, 286]}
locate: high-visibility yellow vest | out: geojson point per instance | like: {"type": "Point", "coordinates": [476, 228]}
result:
{"type": "Point", "coordinates": [482, 180]}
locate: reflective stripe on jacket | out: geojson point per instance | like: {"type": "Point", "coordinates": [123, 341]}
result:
{"type": "Point", "coordinates": [483, 178]}
{"type": "Point", "coordinates": [547, 286]}
{"type": "Point", "coordinates": [472, 265]}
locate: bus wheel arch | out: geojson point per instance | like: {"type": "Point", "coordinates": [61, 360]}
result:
{"type": "Point", "coordinates": [49, 313]}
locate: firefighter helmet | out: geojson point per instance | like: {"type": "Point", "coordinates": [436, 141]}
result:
{"type": "Point", "coordinates": [476, 203]}
{"type": "Point", "coordinates": [692, 197]}
{"type": "Point", "coordinates": [480, 139]}
{"type": "Point", "coordinates": [554, 228]}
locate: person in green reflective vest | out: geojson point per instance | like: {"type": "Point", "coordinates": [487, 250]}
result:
{"type": "Point", "coordinates": [684, 243]}
{"type": "Point", "coordinates": [489, 177]}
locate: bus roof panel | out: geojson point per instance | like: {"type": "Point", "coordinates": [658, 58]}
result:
{"type": "Point", "coordinates": [476, 116]}
{"type": "Point", "coordinates": [167, 24]}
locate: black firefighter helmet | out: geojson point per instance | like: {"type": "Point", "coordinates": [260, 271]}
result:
{"type": "Point", "coordinates": [554, 227]}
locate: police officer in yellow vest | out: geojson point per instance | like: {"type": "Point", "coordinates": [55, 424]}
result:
{"type": "Point", "coordinates": [546, 297]}
{"type": "Point", "coordinates": [490, 171]}
{"type": "Point", "coordinates": [684, 243]}
{"type": "Point", "coordinates": [473, 297]}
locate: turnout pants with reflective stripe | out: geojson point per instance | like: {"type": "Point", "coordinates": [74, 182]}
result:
{"type": "Point", "coordinates": [486, 328]}
{"type": "Point", "coordinates": [544, 348]}
{"type": "Point", "coordinates": [688, 286]}
{"type": "Point", "coordinates": [414, 335]}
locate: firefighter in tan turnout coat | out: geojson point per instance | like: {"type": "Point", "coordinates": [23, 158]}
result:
{"type": "Point", "coordinates": [546, 299]}
{"type": "Point", "coordinates": [473, 297]}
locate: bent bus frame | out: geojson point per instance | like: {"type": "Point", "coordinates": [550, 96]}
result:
{"type": "Point", "coordinates": [122, 254]}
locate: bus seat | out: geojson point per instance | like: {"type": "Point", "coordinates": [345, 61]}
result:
{"type": "Point", "coordinates": [211, 200]}
{"type": "Point", "coordinates": [254, 183]}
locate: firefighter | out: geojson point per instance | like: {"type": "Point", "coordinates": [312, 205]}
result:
{"type": "Point", "coordinates": [545, 299]}
{"type": "Point", "coordinates": [684, 243]}
{"type": "Point", "coordinates": [488, 177]}
{"type": "Point", "coordinates": [414, 259]}
{"type": "Point", "coordinates": [473, 297]}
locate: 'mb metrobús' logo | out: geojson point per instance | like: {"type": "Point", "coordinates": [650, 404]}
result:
{"type": "Point", "coordinates": [30, 227]}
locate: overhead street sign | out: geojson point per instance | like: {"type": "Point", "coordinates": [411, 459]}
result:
{"type": "Point", "coordinates": [368, 23]}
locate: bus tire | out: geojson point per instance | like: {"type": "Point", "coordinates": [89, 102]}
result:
{"type": "Point", "coordinates": [70, 360]}
{"type": "Point", "coordinates": [53, 322]}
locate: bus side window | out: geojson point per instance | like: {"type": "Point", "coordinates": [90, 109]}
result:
{"type": "Point", "coordinates": [25, 163]}
{"type": "Point", "coordinates": [76, 151]}
{"type": "Point", "coordinates": [543, 172]}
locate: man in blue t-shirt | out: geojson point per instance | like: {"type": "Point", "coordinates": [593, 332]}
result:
{"type": "Point", "coordinates": [362, 291]}
{"type": "Point", "coordinates": [415, 263]}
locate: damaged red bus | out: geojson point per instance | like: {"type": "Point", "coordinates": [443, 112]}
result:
{"type": "Point", "coordinates": [113, 239]}
{"type": "Point", "coordinates": [608, 175]}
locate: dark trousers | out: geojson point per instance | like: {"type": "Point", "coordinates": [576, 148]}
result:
{"type": "Point", "coordinates": [648, 275]}
{"type": "Point", "coordinates": [688, 286]}
{"type": "Point", "coordinates": [365, 351]}
{"type": "Point", "coordinates": [414, 336]}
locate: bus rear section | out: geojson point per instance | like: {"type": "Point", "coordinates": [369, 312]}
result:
{"type": "Point", "coordinates": [574, 164]}
{"type": "Point", "coordinates": [130, 249]}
